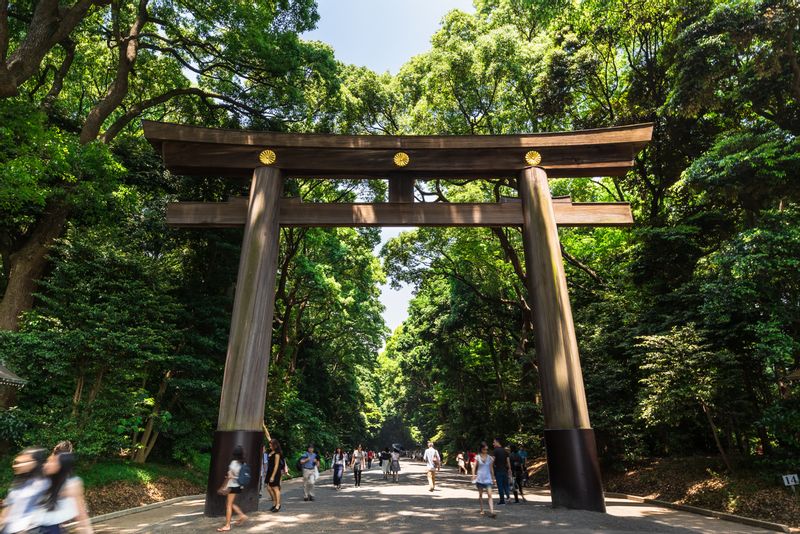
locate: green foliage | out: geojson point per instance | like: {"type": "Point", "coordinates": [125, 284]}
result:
{"type": "Point", "coordinates": [680, 375]}
{"type": "Point", "coordinates": [687, 322]}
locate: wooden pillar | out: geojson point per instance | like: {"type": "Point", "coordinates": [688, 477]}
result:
{"type": "Point", "coordinates": [571, 451]}
{"type": "Point", "coordinates": [244, 384]}
{"type": "Point", "coordinates": [401, 188]}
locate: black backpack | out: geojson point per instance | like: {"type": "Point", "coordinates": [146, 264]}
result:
{"type": "Point", "coordinates": [244, 475]}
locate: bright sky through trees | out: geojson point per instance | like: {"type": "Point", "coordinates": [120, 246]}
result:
{"type": "Point", "coordinates": [382, 35]}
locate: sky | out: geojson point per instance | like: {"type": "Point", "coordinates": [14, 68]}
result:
{"type": "Point", "coordinates": [382, 35]}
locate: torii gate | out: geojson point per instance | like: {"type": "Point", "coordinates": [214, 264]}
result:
{"type": "Point", "coordinates": [270, 157]}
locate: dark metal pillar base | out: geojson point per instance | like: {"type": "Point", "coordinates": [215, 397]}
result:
{"type": "Point", "coordinates": [574, 469]}
{"type": "Point", "coordinates": [221, 454]}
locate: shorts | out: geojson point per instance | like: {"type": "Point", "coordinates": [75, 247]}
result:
{"type": "Point", "coordinates": [235, 489]}
{"type": "Point", "coordinates": [483, 486]}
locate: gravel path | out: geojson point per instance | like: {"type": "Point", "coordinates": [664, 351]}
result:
{"type": "Point", "coordinates": [407, 507]}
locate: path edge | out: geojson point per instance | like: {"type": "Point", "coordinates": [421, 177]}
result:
{"type": "Point", "coordinates": [155, 505]}
{"type": "Point", "coordinates": [778, 527]}
{"type": "Point", "coordinates": [143, 508]}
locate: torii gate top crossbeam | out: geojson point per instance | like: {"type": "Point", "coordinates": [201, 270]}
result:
{"type": "Point", "coordinates": [192, 150]}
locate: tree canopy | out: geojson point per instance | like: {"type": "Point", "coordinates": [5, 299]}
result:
{"type": "Point", "coordinates": [688, 323]}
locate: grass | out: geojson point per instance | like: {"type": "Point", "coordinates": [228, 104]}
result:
{"type": "Point", "coordinates": [105, 472]}
{"type": "Point", "coordinates": [100, 473]}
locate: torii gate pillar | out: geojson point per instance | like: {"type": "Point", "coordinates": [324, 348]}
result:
{"type": "Point", "coordinates": [244, 385]}
{"type": "Point", "coordinates": [572, 462]}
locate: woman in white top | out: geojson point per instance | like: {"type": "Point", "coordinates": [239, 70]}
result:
{"type": "Point", "coordinates": [358, 463]}
{"type": "Point", "coordinates": [64, 500]}
{"type": "Point", "coordinates": [484, 477]}
{"type": "Point", "coordinates": [20, 512]}
{"type": "Point", "coordinates": [462, 467]}
{"type": "Point", "coordinates": [339, 462]}
{"type": "Point", "coordinates": [231, 488]}
{"type": "Point", "coordinates": [395, 461]}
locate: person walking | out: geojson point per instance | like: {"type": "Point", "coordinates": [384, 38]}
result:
{"type": "Point", "coordinates": [231, 488]}
{"type": "Point", "coordinates": [20, 513]}
{"type": "Point", "coordinates": [524, 455]}
{"type": "Point", "coordinates": [64, 500]}
{"type": "Point", "coordinates": [370, 457]}
{"type": "Point", "coordinates": [395, 464]}
{"type": "Point", "coordinates": [357, 463]}
{"type": "Point", "coordinates": [309, 462]}
{"type": "Point", "coordinates": [483, 476]}
{"type": "Point", "coordinates": [502, 471]}
{"type": "Point", "coordinates": [275, 464]}
{"type": "Point", "coordinates": [517, 469]}
{"type": "Point", "coordinates": [462, 466]}
{"type": "Point", "coordinates": [432, 460]}
{"type": "Point", "coordinates": [339, 461]}
{"type": "Point", "coordinates": [385, 458]}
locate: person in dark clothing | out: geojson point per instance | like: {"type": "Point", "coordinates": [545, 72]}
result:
{"type": "Point", "coordinates": [274, 472]}
{"type": "Point", "coordinates": [502, 471]}
{"type": "Point", "coordinates": [385, 458]}
{"type": "Point", "coordinates": [518, 472]}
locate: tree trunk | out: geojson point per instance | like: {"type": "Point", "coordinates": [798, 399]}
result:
{"type": "Point", "coordinates": [144, 445]}
{"type": "Point", "coordinates": [76, 397]}
{"type": "Point", "coordinates": [715, 432]}
{"type": "Point", "coordinates": [28, 264]}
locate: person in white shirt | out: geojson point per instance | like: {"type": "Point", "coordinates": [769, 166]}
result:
{"type": "Point", "coordinates": [432, 461]}
{"type": "Point", "coordinates": [395, 461]}
{"type": "Point", "coordinates": [64, 500]}
{"type": "Point", "coordinates": [339, 463]}
{"type": "Point", "coordinates": [358, 463]}
{"type": "Point", "coordinates": [231, 488]}
{"type": "Point", "coordinates": [20, 512]}
{"type": "Point", "coordinates": [484, 477]}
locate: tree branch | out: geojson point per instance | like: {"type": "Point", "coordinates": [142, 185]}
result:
{"type": "Point", "coordinates": [48, 26]}
{"type": "Point", "coordinates": [582, 266]}
{"type": "Point", "coordinates": [128, 49]}
{"type": "Point", "coordinates": [58, 80]}
{"type": "Point", "coordinates": [135, 110]}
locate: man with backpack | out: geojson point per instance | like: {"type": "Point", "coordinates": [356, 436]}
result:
{"type": "Point", "coordinates": [309, 466]}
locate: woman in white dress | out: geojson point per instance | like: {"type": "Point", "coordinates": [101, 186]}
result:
{"type": "Point", "coordinates": [484, 477]}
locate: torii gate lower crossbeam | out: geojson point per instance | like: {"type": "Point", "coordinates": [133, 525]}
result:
{"type": "Point", "coordinates": [571, 452]}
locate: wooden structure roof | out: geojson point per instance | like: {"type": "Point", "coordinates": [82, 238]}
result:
{"type": "Point", "coordinates": [7, 378]}
{"type": "Point", "coordinates": [192, 150]}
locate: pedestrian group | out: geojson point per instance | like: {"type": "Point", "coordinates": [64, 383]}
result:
{"type": "Point", "coordinates": [45, 495]}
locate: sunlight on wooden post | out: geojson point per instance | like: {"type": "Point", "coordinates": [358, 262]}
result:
{"type": "Point", "coordinates": [244, 385]}
{"type": "Point", "coordinates": [571, 451]}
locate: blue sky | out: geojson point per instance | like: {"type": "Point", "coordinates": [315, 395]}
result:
{"type": "Point", "coordinates": [382, 35]}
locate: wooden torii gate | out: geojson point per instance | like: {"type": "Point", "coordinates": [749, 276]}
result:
{"type": "Point", "coordinates": [268, 158]}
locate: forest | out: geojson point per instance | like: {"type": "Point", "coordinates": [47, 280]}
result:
{"type": "Point", "coordinates": [688, 323]}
